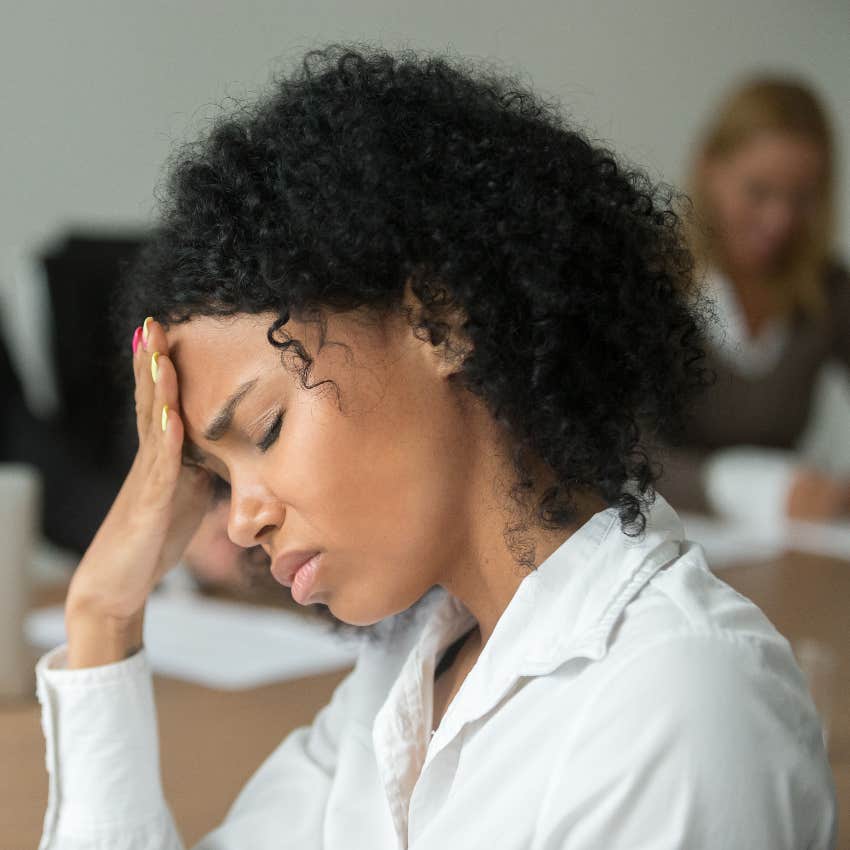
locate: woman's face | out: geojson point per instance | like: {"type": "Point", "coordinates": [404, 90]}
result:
{"type": "Point", "coordinates": [379, 488]}
{"type": "Point", "coordinates": [762, 195]}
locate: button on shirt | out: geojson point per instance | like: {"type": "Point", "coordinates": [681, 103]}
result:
{"type": "Point", "coordinates": [626, 698]}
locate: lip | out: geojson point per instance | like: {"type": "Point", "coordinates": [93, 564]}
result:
{"type": "Point", "coordinates": [287, 564]}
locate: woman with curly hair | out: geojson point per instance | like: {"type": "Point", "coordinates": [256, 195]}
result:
{"type": "Point", "coordinates": [407, 320]}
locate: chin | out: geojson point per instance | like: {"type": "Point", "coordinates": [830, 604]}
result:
{"type": "Point", "coordinates": [361, 612]}
{"type": "Point", "coordinates": [354, 616]}
{"type": "Point", "coordinates": [759, 260]}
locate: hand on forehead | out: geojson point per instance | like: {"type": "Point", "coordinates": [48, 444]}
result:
{"type": "Point", "coordinates": [213, 358]}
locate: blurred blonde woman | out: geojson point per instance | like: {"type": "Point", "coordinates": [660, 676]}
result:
{"type": "Point", "coordinates": [762, 184]}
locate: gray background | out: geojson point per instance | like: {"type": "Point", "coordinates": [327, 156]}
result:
{"type": "Point", "coordinates": [95, 94]}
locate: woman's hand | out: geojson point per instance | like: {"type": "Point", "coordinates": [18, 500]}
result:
{"type": "Point", "coordinates": [814, 495]}
{"type": "Point", "coordinates": [153, 517]}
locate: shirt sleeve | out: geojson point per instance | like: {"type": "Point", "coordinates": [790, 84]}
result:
{"type": "Point", "coordinates": [700, 741]}
{"type": "Point", "coordinates": [102, 758]}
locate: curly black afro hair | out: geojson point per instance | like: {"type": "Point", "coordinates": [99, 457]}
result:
{"type": "Point", "coordinates": [363, 169]}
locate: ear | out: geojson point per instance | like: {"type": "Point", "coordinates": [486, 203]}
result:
{"type": "Point", "coordinates": [438, 327]}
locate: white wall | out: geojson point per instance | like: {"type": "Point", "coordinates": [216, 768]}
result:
{"type": "Point", "coordinates": [95, 93]}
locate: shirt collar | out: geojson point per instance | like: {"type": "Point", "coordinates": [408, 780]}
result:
{"type": "Point", "coordinates": [566, 608]}
{"type": "Point", "coordinates": [751, 356]}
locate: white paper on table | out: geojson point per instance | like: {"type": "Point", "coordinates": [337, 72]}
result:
{"type": "Point", "coordinates": [727, 542]}
{"type": "Point", "coordinates": [220, 644]}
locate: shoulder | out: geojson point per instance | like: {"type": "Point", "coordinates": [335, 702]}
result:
{"type": "Point", "coordinates": [688, 637]}
{"type": "Point", "coordinates": [686, 595]}
{"type": "Point", "coordinates": [701, 721]}
{"type": "Point", "coordinates": [710, 690]}
{"type": "Point", "coordinates": [690, 647]}
{"type": "Point", "coordinates": [700, 740]}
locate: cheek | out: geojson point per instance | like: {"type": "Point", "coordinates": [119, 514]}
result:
{"type": "Point", "coordinates": [735, 206]}
{"type": "Point", "coordinates": [379, 495]}
{"type": "Point", "coordinates": [380, 485]}
{"type": "Point", "coordinates": [393, 480]}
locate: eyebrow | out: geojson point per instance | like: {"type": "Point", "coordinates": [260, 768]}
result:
{"type": "Point", "coordinates": [220, 425]}
{"type": "Point", "coordinates": [223, 420]}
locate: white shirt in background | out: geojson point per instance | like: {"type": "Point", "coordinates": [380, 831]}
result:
{"type": "Point", "coordinates": [746, 482]}
{"type": "Point", "coordinates": [627, 698]}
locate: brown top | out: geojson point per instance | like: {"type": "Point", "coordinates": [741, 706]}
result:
{"type": "Point", "coordinates": [770, 410]}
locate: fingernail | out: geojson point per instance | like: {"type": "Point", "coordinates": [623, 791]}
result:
{"type": "Point", "coordinates": [164, 416]}
{"type": "Point", "coordinates": [146, 331]}
{"type": "Point", "coordinates": [154, 366]}
{"type": "Point", "coordinates": [137, 338]}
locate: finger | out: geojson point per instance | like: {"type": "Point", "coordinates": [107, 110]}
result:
{"type": "Point", "coordinates": [153, 336]}
{"type": "Point", "coordinates": [165, 390]}
{"type": "Point", "coordinates": [165, 427]}
{"type": "Point", "coordinates": [137, 353]}
{"type": "Point", "coordinates": [169, 460]}
{"type": "Point", "coordinates": [143, 392]}
{"type": "Point", "coordinates": [163, 379]}
{"type": "Point", "coordinates": [184, 490]}
{"type": "Point", "coordinates": [167, 418]}
{"type": "Point", "coordinates": [153, 344]}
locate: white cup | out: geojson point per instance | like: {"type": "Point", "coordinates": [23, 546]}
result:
{"type": "Point", "coordinates": [20, 507]}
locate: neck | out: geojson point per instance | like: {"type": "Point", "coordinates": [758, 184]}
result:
{"type": "Point", "coordinates": [485, 574]}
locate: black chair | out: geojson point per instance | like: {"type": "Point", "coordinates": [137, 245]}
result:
{"type": "Point", "coordinates": [85, 449]}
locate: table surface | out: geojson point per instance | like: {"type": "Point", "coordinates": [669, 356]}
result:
{"type": "Point", "coordinates": [212, 741]}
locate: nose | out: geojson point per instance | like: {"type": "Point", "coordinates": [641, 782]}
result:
{"type": "Point", "coordinates": [252, 518]}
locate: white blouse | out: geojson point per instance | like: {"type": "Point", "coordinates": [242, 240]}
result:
{"type": "Point", "coordinates": [749, 482]}
{"type": "Point", "coordinates": [750, 355]}
{"type": "Point", "coordinates": [626, 698]}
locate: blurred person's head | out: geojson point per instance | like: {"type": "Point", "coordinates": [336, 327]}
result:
{"type": "Point", "coordinates": [218, 563]}
{"type": "Point", "coordinates": [439, 312]}
{"type": "Point", "coordinates": [762, 184]}
{"type": "Point", "coordinates": [214, 559]}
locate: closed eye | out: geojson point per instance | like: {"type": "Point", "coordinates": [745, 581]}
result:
{"type": "Point", "coordinates": [271, 434]}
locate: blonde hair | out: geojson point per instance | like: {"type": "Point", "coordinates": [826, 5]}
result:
{"type": "Point", "coordinates": [787, 105]}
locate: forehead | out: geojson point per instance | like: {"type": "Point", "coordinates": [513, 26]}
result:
{"type": "Point", "coordinates": [209, 333]}
{"type": "Point", "coordinates": [783, 156]}
{"type": "Point", "coordinates": [212, 356]}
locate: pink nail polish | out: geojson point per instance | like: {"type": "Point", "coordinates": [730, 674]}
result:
{"type": "Point", "coordinates": [137, 338]}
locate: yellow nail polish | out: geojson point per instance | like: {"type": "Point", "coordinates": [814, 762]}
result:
{"type": "Point", "coordinates": [146, 330]}
{"type": "Point", "coordinates": [154, 366]}
{"type": "Point", "coordinates": [164, 416]}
